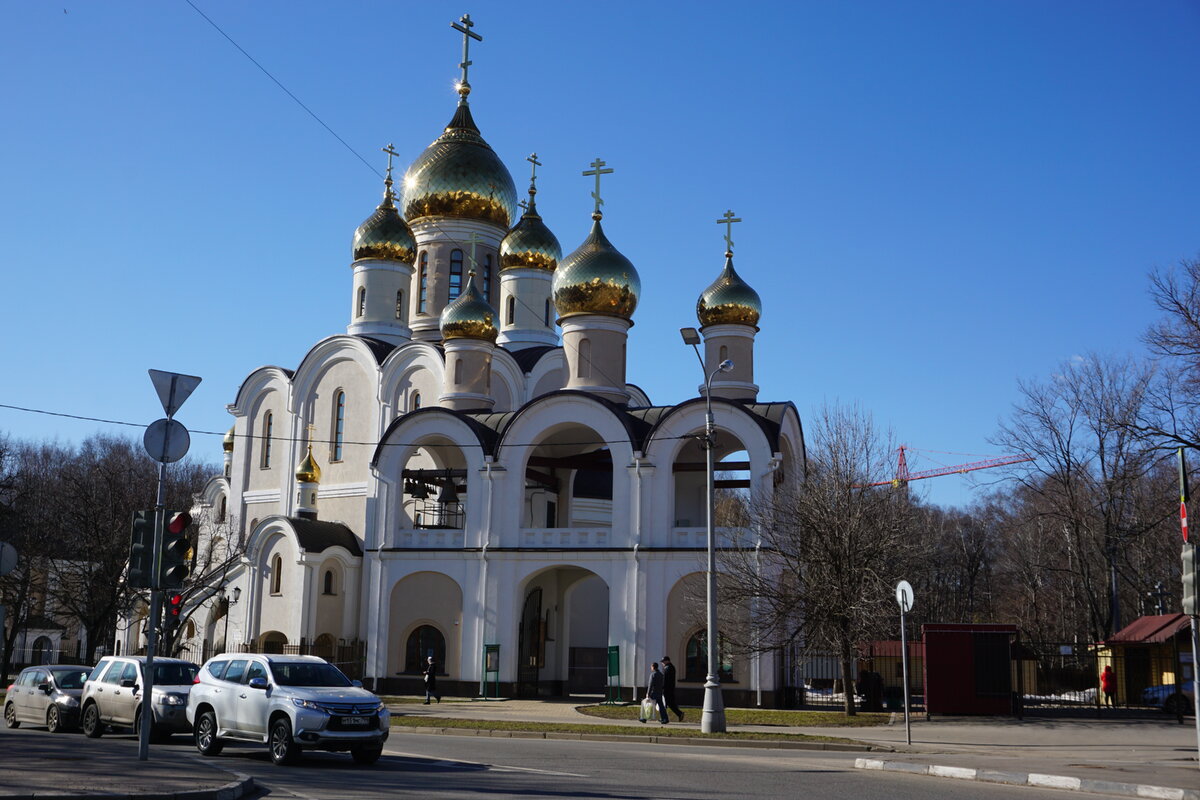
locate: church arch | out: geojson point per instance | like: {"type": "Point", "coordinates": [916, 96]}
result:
{"type": "Point", "coordinates": [272, 642]}
{"type": "Point", "coordinates": [562, 631]}
{"type": "Point", "coordinates": [425, 599]}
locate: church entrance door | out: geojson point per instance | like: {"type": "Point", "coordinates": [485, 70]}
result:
{"type": "Point", "coordinates": [531, 652]}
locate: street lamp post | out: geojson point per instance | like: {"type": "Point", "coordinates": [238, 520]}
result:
{"type": "Point", "coordinates": [712, 718]}
{"type": "Point", "coordinates": [229, 604]}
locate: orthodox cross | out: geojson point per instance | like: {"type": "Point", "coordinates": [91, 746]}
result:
{"type": "Point", "coordinates": [312, 429]}
{"type": "Point", "coordinates": [533, 170]}
{"type": "Point", "coordinates": [728, 221]}
{"type": "Point", "coordinates": [474, 239]}
{"type": "Point", "coordinates": [465, 29]}
{"type": "Point", "coordinates": [524, 206]}
{"type": "Point", "coordinates": [391, 151]}
{"type": "Point", "coordinates": [597, 171]}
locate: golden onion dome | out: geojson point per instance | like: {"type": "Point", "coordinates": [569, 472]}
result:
{"type": "Point", "coordinates": [729, 300]}
{"type": "Point", "coordinates": [385, 234]}
{"type": "Point", "coordinates": [596, 279]}
{"type": "Point", "coordinates": [530, 243]}
{"type": "Point", "coordinates": [308, 471]}
{"type": "Point", "coordinates": [469, 316]}
{"type": "Point", "coordinates": [227, 442]}
{"type": "Point", "coordinates": [459, 175]}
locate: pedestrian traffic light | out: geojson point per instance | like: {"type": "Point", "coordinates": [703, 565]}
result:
{"type": "Point", "coordinates": [1189, 580]}
{"type": "Point", "coordinates": [141, 550]}
{"type": "Point", "coordinates": [174, 606]}
{"type": "Point", "coordinates": [177, 548]}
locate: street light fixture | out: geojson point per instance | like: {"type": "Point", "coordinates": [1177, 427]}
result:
{"type": "Point", "coordinates": [712, 718]}
{"type": "Point", "coordinates": [229, 604]}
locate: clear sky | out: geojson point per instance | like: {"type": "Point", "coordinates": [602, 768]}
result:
{"type": "Point", "coordinates": [939, 197]}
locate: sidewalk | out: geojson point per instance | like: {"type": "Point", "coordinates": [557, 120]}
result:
{"type": "Point", "coordinates": [1124, 757]}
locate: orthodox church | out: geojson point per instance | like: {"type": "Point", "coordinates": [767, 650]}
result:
{"type": "Point", "coordinates": [466, 472]}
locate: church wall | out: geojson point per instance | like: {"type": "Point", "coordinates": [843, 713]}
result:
{"type": "Point", "coordinates": [350, 510]}
{"type": "Point", "coordinates": [359, 432]}
{"type": "Point", "coordinates": [257, 477]}
{"type": "Point", "coordinates": [330, 607]}
{"type": "Point", "coordinates": [281, 611]}
{"type": "Point", "coordinates": [425, 598]}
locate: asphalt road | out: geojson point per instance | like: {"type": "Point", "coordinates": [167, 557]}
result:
{"type": "Point", "coordinates": [460, 767]}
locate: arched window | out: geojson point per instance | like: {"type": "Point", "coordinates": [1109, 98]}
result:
{"type": "Point", "coordinates": [327, 586]}
{"type": "Point", "coordinates": [339, 425]}
{"type": "Point", "coordinates": [400, 304]}
{"type": "Point", "coordinates": [696, 662]}
{"type": "Point", "coordinates": [422, 643]}
{"type": "Point", "coordinates": [510, 310]}
{"type": "Point", "coordinates": [722, 354]}
{"type": "Point", "coordinates": [487, 277]}
{"type": "Point", "coordinates": [361, 307]}
{"type": "Point", "coordinates": [190, 631]}
{"type": "Point", "coordinates": [267, 429]}
{"type": "Point", "coordinates": [416, 401]}
{"type": "Point", "coordinates": [546, 314]}
{"type": "Point", "coordinates": [423, 283]}
{"type": "Point", "coordinates": [583, 368]}
{"type": "Point", "coordinates": [224, 512]}
{"type": "Point", "coordinates": [456, 273]}
{"type": "Point", "coordinates": [458, 362]}
{"type": "Point", "coordinates": [277, 575]}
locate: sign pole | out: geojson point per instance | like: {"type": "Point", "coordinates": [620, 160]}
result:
{"type": "Point", "coordinates": [904, 597]}
{"type": "Point", "coordinates": [1189, 542]}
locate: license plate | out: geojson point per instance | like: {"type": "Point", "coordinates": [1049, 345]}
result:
{"type": "Point", "coordinates": [351, 722]}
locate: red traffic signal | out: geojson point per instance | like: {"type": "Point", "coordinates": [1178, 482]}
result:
{"type": "Point", "coordinates": [176, 604]}
{"type": "Point", "coordinates": [179, 522]}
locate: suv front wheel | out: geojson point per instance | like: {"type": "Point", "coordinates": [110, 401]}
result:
{"type": "Point", "coordinates": [206, 735]}
{"type": "Point", "coordinates": [284, 749]}
{"type": "Point", "coordinates": [93, 728]}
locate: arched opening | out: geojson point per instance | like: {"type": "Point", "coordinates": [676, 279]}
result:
{"type": "Point", "coordinates": [338, 434]}
{"type": "Point", "coordinates": [272, 642]}
{"type": "Point", "coordinates": [327, 586]}
{"type": "Point", "coordinates": [569, 480]}
{"type": "Point", "coordinates": [277, 575]}
{"type": "Point", "coordinates": [361, 306]}
{"type": "Point", "coordinates": [43, 651]}
{"type": "Point", "coordinates": [324, 645]}
{"type": "Point", "coordinates": [456, 273]}
{"type": "Point", "coordinates": [424, 642]}
{"type": "Point", "coordinates": [423, 283]}
{"type": "Point", "coordinates": [686, 641]}
{"type": "Point", "coordinates": [510, 310]}
{"type": "Point", "coordinates": [268, 428]}
{"type": "Point", "coordinates": [731, 483]}
{"type": "Point", "coordinates": [696, 659]}
{"type": "Point", "coordinates": [562, 638]}
{"type": "Point", "coordinates": [435, 485]}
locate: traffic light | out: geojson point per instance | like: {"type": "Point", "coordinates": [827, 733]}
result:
{"type": "Point", "coordinates": [1189, 580]}
{"type": "Point", "coordinates": [174, 606]}
{"type": "Point", "coordinates": [177, 549]}
{"type": "Point", "coordinates": [141, 550]}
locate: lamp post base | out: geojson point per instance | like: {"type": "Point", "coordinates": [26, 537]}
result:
{"type": "Point", "coordinates": [712, 718]}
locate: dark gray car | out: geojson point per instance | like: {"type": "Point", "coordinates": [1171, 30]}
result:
{"type": "Point", "coordinates": [46, 695]}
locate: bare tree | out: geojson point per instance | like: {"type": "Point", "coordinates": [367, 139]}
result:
{"type": "Point", "coordinates": [820, 562]}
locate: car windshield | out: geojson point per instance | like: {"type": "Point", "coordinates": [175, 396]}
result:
{"type": "Point", "coordinates": [174, 674]}
{"type": "Point", "coordinates": [70, 678]}
{"type": "Point", "coordinates": [300, 674]}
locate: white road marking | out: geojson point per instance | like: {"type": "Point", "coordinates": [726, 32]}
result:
{"type": "Point", "coordinates": [460, 764]}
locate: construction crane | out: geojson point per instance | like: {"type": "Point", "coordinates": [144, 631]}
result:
{"type": "Point", "coordinates": [903, 476]}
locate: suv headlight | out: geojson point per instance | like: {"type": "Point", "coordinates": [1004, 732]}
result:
{"type": "Point", "coordinates": [172, 700]}
{"type": "Point", "coordinates": [309, 704]}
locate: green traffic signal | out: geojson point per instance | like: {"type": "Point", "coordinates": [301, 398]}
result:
{"type": "Point", "coordinates": [141, 550]}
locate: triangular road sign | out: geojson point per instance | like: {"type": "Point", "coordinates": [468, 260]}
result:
{"type": "Point", "coordinates": [173, 389]}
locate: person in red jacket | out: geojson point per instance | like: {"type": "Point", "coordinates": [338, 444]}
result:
{"type": "Point", "coordinates": [1108, 684]}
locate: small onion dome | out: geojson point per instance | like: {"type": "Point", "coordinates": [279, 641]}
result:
{"type": "Point", "coordinates": [596, 279]}
{"type": "Point", "coordinates": [227, 442]}
{"type": "Point", "coordinates": [459, 175]}
{"type": "Point", "coordinates": [308, 471]}
{"type": "Point", "coordinates": [469, 316]}
{"type": "Point", "coordinates": [729, 301]}
{"type": "Point", "coordinates": [530, 244]}
{"type": "Point", "coordinates": [385, 234]}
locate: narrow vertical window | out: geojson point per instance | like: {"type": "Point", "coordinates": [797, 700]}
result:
{"type": "Point", "coordinates": [510, 308]}
{"type": "Point", "coordinates": [458, 372]}
{"type": "Point", "coordinates": [456, 280]}
{"type": "Point", "coordinates": [724, 354]}
{"type": "Point", "coordinates": [423, 283]}
{"type": "Point", "coordinates": [416, 401]}
{"type": "Point", "coordinates": [268, 426]}
{"type": "Point", "coordinates": [339, 425]}
{"type": "Point", "coordinates": [328, 587]}
{"type": "Point", "coordinates": [584, 368]}
{"type": "Point", "coordinates": [487, 277]}
{"type": "Point", "coordinates": [361, 307]}
{"type": "Point", "coordinates": [276, 575]}
{"type": "Point", "coordinates": [400, 304]}
{"type": "Point", "coordinates": [546, 314]}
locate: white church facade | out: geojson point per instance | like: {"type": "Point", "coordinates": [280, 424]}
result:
{"type": "Point", "coordinates": [468, 465]}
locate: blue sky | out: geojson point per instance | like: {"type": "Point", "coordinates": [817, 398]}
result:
{"type": "Point", "coordinates": [939, 198]}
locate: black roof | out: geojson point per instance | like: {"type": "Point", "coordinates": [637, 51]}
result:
{"type": "Point", "coordinates": [528, 357]}
{"type": "Point", "coordinates": [316, 536]}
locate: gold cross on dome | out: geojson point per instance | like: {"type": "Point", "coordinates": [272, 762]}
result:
{"type": "Point", "coordinates": [727, 220]}
{"type": "Point", "coordinates": [597, 171]}
{"type": "Point", "coordinates": [533, 169]}
{"type": "Point", "coordinates": [312, 430]}
{"type": "Point", "coordinates": [391, 151]}
{"type": "Point", "coordinates": [464, 26]}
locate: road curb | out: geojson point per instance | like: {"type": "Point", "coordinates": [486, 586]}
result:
{"type": "Point", "coordinates": [1037, 779]}
{"type": "Point", "coordinates": [234, 790]}
{"type": "Point", "coordinates": [770, 744]}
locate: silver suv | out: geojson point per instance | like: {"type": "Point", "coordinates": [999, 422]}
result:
{"type": "Point", "coordinates": [290, 703]}
{"type": "Point", "coordinates": [112, 695]}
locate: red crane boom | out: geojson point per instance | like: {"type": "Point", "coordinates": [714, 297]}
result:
{"type": "Point", "coordinates": [903, 476]}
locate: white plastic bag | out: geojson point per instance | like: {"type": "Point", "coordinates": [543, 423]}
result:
{"type": "Point", "coordinates": [646, 711]}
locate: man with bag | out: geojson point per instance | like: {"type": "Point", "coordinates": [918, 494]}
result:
{"type": "Point", "coordinates": [654, 693]}
{"type": "Point", "coordinates": [668, 670]}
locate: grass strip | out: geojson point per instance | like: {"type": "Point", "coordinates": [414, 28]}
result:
{"type": "Point", "coordinates": [756, 716]}
{"type": "Point", "coordinates": [401, 721]}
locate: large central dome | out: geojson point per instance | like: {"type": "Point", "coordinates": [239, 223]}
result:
{"type": "Point", "coordinates": [459, 175]}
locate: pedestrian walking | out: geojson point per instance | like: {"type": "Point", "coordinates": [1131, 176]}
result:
{"type": "Point", "coordinates": [668, 671]}
{"type": "Point", "coordinates": [431, 681]}
{"type": "Point", "coordinates": [1108, 684]}
{"type": "Point", "coordinates": [654, 691]}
